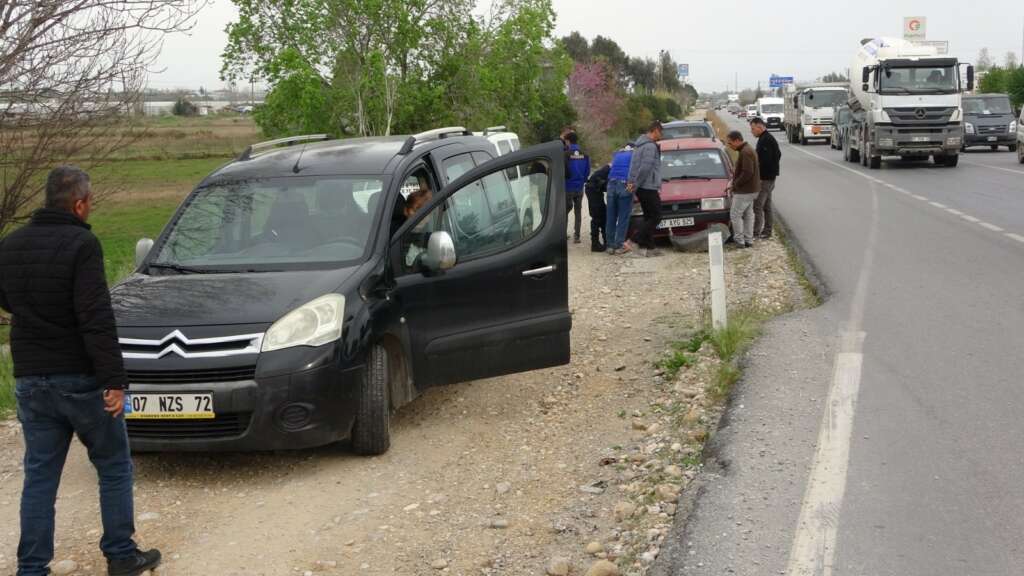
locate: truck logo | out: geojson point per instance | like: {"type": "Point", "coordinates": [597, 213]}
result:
{"type": "Point", "coordinates": [920, 113]}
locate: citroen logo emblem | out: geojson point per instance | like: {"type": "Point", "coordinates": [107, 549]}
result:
{"type": "Point", "coordinates": [920, 113]}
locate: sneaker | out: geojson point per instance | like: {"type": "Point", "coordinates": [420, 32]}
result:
{"type": "Point", "coordinates": [610, 250]}
{"type": "Point", "coordinates": [622, 250]}
{"type": "Point", "coordinates": [576, 240]}
{"type": "Point", "coordinates": [134, 565]}
{"type": "Point", "coordinates": [747, 245]}
{"type": "Point", "coordinates": [597, 248]}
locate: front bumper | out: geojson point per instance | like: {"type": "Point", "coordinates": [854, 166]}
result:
{"type": "Point", "coordinates": [681, 235]}
{"type": "Point", "coordinates": [817, 131]}
{"type": "Point", "coordinates": [990, 139]}
{"type": "Point", "coordinates": [274, 410]}
{"type": "Point", "coordinates": [917, 141]}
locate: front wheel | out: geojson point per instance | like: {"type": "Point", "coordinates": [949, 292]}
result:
{"type": "Point", "coordinates": [951, 160]}
{"type": "Point", "coordinates": [1012, 147]}
{"type": "Point", "coordinates": [803, 138]}
{"type": "Point", "coordinates": [371, 433]}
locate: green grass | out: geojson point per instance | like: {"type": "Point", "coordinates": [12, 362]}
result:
{"type": "Point", "coordinates": [811, 294]}
{"type": "Point", "coordinates": [730, 343]}
{"type": "Point", "coordinates": [141, 174]}
{"type": "Point", "coordinates": [6, 383]}
{"type": "Point", "coordinates": [678, 359]}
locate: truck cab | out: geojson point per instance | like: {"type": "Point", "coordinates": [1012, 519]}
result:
{"type": "Point", "coordinates": [911, 99]}
{"type": "Point", "coordinates": [808, 112]}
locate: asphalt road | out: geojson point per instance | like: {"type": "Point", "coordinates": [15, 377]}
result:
{"type": "Point", "coordinates": [917, 467]}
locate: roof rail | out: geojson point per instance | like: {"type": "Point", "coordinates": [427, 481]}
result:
{"type": "Point", "coordinates": [437, 134]}
{"type": "Point", "coordinates": [494, 129]}
{"type": "Point", "coordinates": [288, 141]}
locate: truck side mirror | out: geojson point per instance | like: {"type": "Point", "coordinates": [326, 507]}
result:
{"type": "Point", "coordinates": [142, 248]}
{"type": "Point", "coordinates": [970, 78]}
{"type": "Point", "coordinates": [865, 75]}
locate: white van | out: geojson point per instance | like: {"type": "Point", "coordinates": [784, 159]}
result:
{"type": "Point", "coordinates": [772, 111]}
{"type": "Point", "coordinates": [506, 142]}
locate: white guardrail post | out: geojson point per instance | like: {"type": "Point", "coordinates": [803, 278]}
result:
{"type": "Point", "coordinates": [717, 260]}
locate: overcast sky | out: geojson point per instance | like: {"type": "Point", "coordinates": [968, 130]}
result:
{"type": "Point", "coordinates": [719, 39]}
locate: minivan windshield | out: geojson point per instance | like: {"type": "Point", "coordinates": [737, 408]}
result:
{"type": "Point", "coordinates": [987, 106]}
{"type": "Point", "coordinates": [273, 224]}
{"type": "Point", "coordinates": [692, 164]}
{"type": "Point", "coordinates": [686, 131]}
{"type": "Point", "coordinates": [771, 108]}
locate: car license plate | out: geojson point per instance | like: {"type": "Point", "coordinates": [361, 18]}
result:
{"type": "Point", "coordinates": [921, 139]}
{"type": "Point", "coordinates": [197, 406]}
{"type": "Point", "coordinates": [675, 223]}
{"type": "Point", "coordinates": [992, 138]}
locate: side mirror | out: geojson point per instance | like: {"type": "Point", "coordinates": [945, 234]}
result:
{"type": "Point", "coordinates": [142, 248]}
{"type": "Point", "coordinates": [865, 75]}
{"type": "Point", "coordinates": [970, 78]}
{"type": "Point", "coordinates": [440, 254]}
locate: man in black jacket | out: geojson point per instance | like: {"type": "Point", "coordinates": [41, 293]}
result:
{"type": "Point", "coordinates": [69, 373]}
{"type": "Point", "coordinates": [595, 189]}
{"type": "Point", "coordinates": [768, 157]}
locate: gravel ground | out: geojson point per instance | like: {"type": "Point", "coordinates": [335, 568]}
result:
{"type": "Point", "coordinates": [556, 471]}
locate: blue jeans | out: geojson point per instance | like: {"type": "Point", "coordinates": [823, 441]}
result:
{"type": "Point", "coordinates": [620, 207]}
{"type": "Point", "coordinates": [51, 409]}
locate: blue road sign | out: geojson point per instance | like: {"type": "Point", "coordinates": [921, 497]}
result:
{"type": "Point", "coordinates": [684, 70]}
{"type": "Point", "coordinates": [779, 81]}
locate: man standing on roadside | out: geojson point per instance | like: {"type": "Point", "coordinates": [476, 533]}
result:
{"type": "Point", "coordinates": [578, 170]}
{"type": "Point", "coordinates": [768, 158]}
{"type": "Point", "coordinates": [69, 373]}
{"type": "Point", "coordinates": [595, 189]}
{"type": "Point", "coordinates": [645, 181]}
{"type": "Point", "coordinates": [746, 183]}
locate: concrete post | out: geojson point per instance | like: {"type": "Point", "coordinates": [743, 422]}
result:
{"type": "Point", "coordinates": [717, 262]}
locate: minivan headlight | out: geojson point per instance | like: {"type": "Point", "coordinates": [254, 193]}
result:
{"type": "Point", "coordinates": [968, 128]}
{"type": "Point", "coordinates": [313, 324]}
{"type": "Point", "coordinates": [1013, 127]}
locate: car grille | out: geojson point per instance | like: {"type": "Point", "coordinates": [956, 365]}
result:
{"type": "Point", "coordinates": [992, 129]}
{"type": "Point", "coordinates": [674, 208]}
{"type": "Point", "coordinates": [923, 116]}
{"type": "Point", "coordinates": [191, 376]}
{"type": "Point", "coordinates": [223, 426]}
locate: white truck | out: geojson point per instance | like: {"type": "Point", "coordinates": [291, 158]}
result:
{"type": "Point", "coordinates": [772, 111]}
{"type": "Point", "coordinates": [906, 100]}
{"type": "Point", "coordinates": [808, 111]}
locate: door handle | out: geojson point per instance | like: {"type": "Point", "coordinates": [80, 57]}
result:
{"type": "Point", "coordinates": [539, 271]}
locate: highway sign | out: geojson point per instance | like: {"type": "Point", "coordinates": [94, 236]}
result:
{"type": "Point", "coordinates": [915, 27]}
{"type": "Point", "coordinates": [779, 81]}
{"type": "Point", "coordinates": [684, 70]}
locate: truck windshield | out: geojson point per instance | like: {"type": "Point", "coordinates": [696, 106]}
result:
{"type": "Point", "coordinates": [273, 224]}
{"type": "Point", "coordinates": [987, 106]}
{"type": "Point", "coordinates": [771, 108]}
{"type": "Point", "coordinates": [919, 80]}
{"type": "Point", "coordinates": [824, 98]}
{"type": "Point", "coordinates": [686, 164]}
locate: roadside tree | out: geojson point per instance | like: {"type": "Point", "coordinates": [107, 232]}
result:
{"type": "Point", "coordinates": [71, 75]}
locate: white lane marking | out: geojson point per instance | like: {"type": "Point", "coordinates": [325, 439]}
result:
{"type": "Point", "coordinates": [966, 217]}
{"type": "Point", "coordinates": [817, 530]}
{"type": "Point", "coordinates": [1016, 237]}
{"type": "Point", "coordinates": [996, 167]}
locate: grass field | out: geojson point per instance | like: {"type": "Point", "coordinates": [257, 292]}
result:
{"type": "Point", "coordinates": [139, 191]}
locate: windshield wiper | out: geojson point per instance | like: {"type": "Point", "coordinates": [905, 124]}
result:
{"type": "Point", "coordinates": [187, 269]}
{"type": "Point", "coordinates": [933, 91]}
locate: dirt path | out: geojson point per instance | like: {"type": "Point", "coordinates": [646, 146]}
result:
{"type": "Point", "coordinates": [482, 478]}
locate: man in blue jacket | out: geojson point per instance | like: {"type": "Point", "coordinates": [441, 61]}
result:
{"type": "Point", "coordinates": [620, 202]}
{"type": "Point", "coordinates": [577, 173]}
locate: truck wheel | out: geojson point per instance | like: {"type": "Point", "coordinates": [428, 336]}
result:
{"type": "Point", "coordinates": [995, 147]}
{"type": "Point", "coordinates": [1012, 147]}
{"type": "Point", "coordinates": [854, 154]}
{"type": "Point", "coordinates": [803, 139]}
{"type": "Point", "coordinates": [1020, 154]}
{"type": "Point", "coordinates": [951, 160]}
{"type": "Point", "coordinates": [846, 152]}
{"type": "Point", "coordinates": [875, 162]}
{"type": "Point", "coordinates": [371, 433]}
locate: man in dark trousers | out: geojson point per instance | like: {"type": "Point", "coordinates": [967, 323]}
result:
{"type": "Point", "coordinates": [645, 181]}
{"type": "Point", "coordinates": [595, 189]}
{"type": "Point", "coordinates": [768, 159]}
{"type": "Point", "coordinates": [577, 172]}
{"type": "Point", "coordinates": [69, 373]}
{"type": "Point", "coordinates": [746, 183]}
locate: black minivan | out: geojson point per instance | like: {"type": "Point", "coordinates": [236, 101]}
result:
{"type": "Point", "coordinates": [989, 121]}
{"type": "Point", "coordinates": [296, 298]}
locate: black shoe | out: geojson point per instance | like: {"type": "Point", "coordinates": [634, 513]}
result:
{"type": "Point", "coordinates": [597, 247]}
{"type": "Point", "coordinates": [746, 245]}
{"type": "Point", "coordinates": [135, 564]}
{"type": "Point", "coordinates": [576, 240]}
{"type": "Point", "coordinates": [730, 240]}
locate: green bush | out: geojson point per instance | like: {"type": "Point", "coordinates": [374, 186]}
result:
{"type": "Point", "coordinates": [183, 107]}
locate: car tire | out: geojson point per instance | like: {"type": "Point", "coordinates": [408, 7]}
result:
{"type": "Point", "coordinates": [994, 147]}
{"type": "Point", "coordinates": [803, 138]}
{"type": "Point", "coordinates": [371, 432]}
{"type": "Point", "coordinates": [1012, 147]}
{"type": "Point", "coordinates": [951, 160]}
{"type": "Point", "coordinates": [874, 162]}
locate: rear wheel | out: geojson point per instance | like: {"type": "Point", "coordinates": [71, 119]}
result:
{"type": "Point", "coordinates": [371, 433]}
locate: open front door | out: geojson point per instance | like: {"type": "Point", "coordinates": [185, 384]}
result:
{"type": "Point", "coordinates": [504, 305]}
